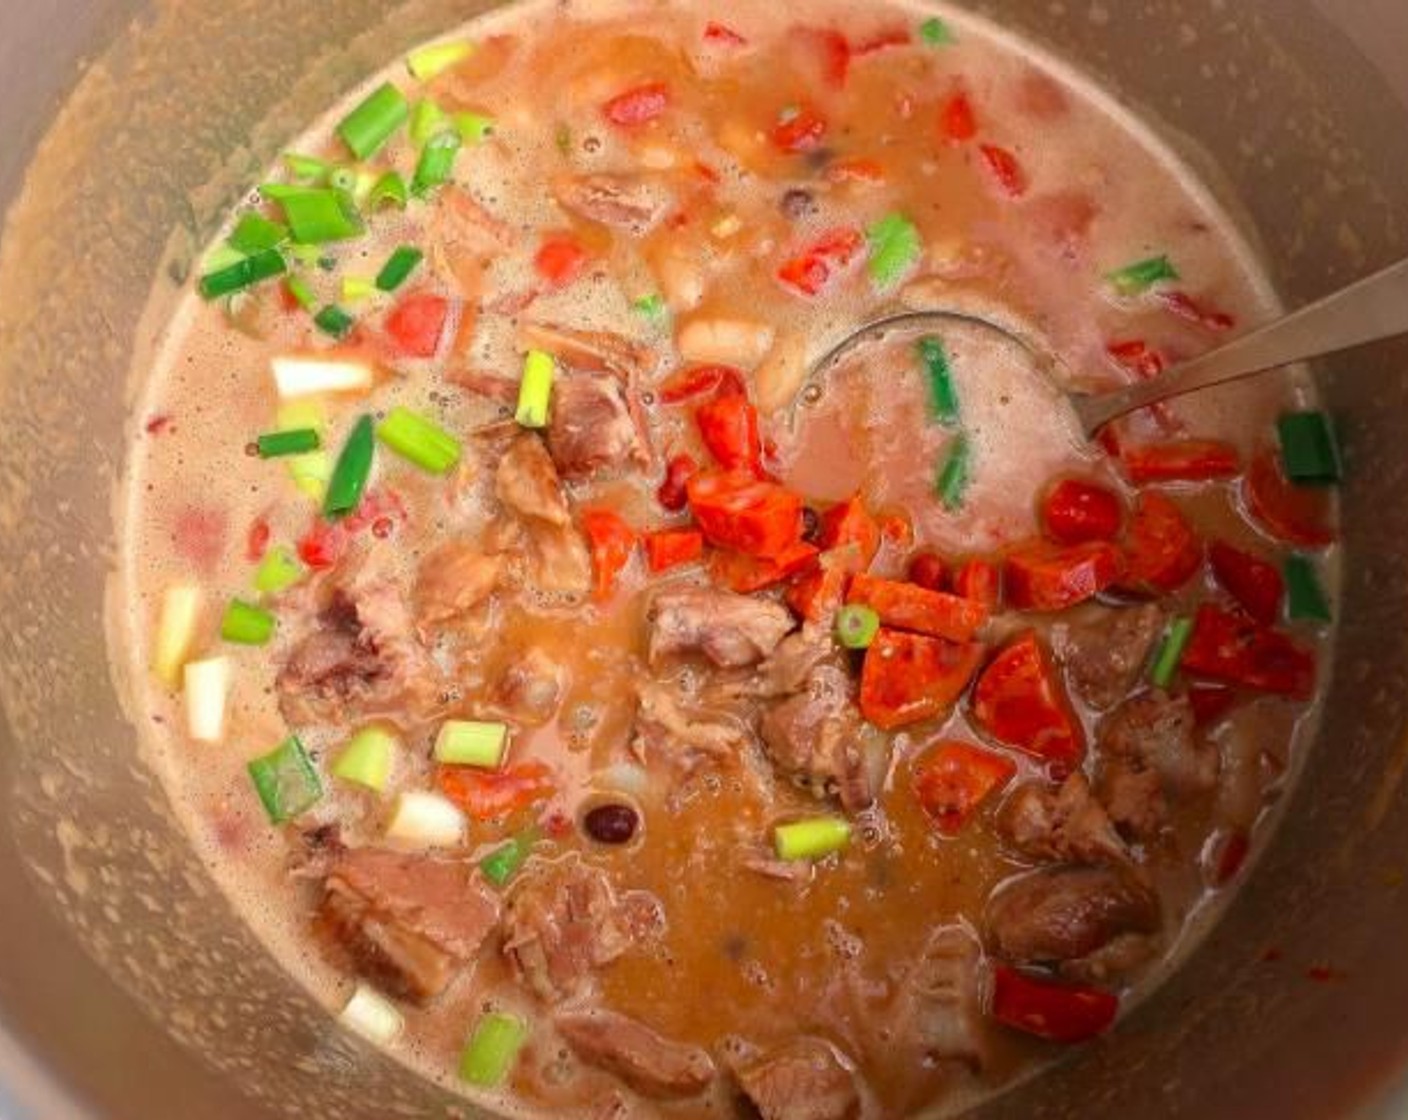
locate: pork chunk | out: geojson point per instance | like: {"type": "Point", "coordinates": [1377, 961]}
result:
{"type": "Point", "coordinates": [1150, 754]}
{"type": "Point", "coordinates": [1065, 825]}
{"type": "Point", "coordinates": [731, 630]}
{"type": "Point", "coordinates": [528, 485]}
{"type": "Point", "coordinates": [803, 1080]}
{"type": "Point", "coordinates": [1066, 913]}
{"type": "Point", "coordinates": [530, 688]}
{"type": "Point", "coordinates": [666, 722]}
{"type": "Point", "coordinates": [593, 428]}
{"type": "Point", "coordinates": [632, 203]}
{"type": "Point", "coordinates": [815, 738]}
{"type": "Point", "coordinates": [940, 1013]}
{"type": "Point", "coordinates": [453, 580]}
{"type": "Point", "coordinates": [648, 1062]}
{"type": "Point", "coordinates": [1103, 658]}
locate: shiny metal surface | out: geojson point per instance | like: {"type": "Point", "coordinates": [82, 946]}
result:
{"type": "Point", "coordinates": [126, 989]}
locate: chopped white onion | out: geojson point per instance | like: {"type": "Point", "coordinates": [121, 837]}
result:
{"type": "Point", "coordinates": [372, 1015]}
{"type": "Point", "coordinates": [207, 690]}
{"type": "Point", "coordinates": [175, 631]}
{"type": "Point", "coordinates": [304, 377]}
{"type": "Point", "coordinates": [426, 820]}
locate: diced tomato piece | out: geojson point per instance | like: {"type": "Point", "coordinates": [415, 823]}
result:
{"type": "Point", "coordinates": [1162, 551]}
{"type": "Point", "coordinates": [1056, 1012]}
{"type": "Point", "coordinates": [257, 540]}
{"type": "Point", "coordinates": [957, 121]}
{"type": "Point", "coordinates": [723, 34]}
{"type": "Point", "coordinates": [612, 542]}
{"type": "Point", "coordinates": [1258, 586]}
{"type": "Point", "coordinates": [1210, 702]}
{"type": "Point", "coordinates": [894, 37]}
{"type": "Point", "coordinates": [978, 580]}
{"type": "Point", "coordinates": [909, 678]}
{"type": "Point", "coordinates": [856, 171]}
{"type": "Point", "coordinates": [488, 795]}
{"type": "Point", "coordinates": [638, 106]}
{"type": "Point", "coordinates": [745, 574]}
{"type": "Point", "coordinates": [907, 606]}
{"type": "Point", "coordinates": [954, 779]}
{"type": "Point", "coordinates": [672, 492]}
{"type": "Point", "coordinates": [728, 425]}
{"type": "Point", "coordinates": [1229, 647]}
{"type": "Point", "coordinates": [849, 522]}
{"type": "Point", "coordinates": [799, 129]}
{"type": "Point", "coordinates": [1005, 170]}
{"type": "Point", "coordinates": [1181, 460]}
{"type": "Point", "coordinates": [1136, 356]}
{"type": "Point", "coordinates": [1048, 577]}
{"type": "Point", "coordinates": [811, 271]}
{"type": "Point", "coordinates": [699, 381]}
{"type": "Point", "coordinates": [198, 534]}
{"type": "Point", "coordinates": [560, 259]}
{"type": "Point", "coordinates": [739, 512]}
{"type": "Point", "coordinates": [669, 548]}
{"type": "Point", "coordinates": [1019, 701]}
{"type": "Point", "coordinates": [928, 571]}
{"type": "Point", "coordinates": [831, 53]}
{"type": "Point", "coordinates": [416, 324]}
{"type": "Point", "coordinates": [1299, 515]}
{"type": "Point", "coordinates": [1186, 307]}
{"type": "Point", "coordinates": [1075, 511]}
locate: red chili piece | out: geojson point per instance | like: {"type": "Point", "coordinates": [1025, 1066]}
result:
{"type": "Point", "coordinates": [909, 678]}
{"type": "Point", "coordinates": [1056, 1012]}
{"type": "Point", "coordinates": [638, 106]}
{"type": "Point", "coordinates": [957, 121]}
{"type": "Point", "coordinates": [1048, 577]}
{"type": "Point", "coordinates": [1075, 511]}
{"type": "Point", "coordinates": [612, 542]}
{"type": "Point", "coordinates": [1005, 170]}
{"type": "Point", "coordinates": [907, 606]}
{"type": "Point", "coordinates": [799, 129]}
{"type": "Point", "coordinates": [696, 382]}
{"type": "Point", "coordinates": [722, 33]}
{"type": "Point", "coordinates": [811, 271]}
{"type": "Point", "coordinates": [1181, 460]}
{"type": "Point", "coordinates": [1018, 700]}
{"type": "Point", "coordinates": [928, 571]}
{"type": "Point", "coordinates": [728, 424]}
{"type": "Point", "coordinates": [1231, 648]}
{"type": "Point", "coordinates": [953, 780]}
{"type": "Point", "coordinates": [1258, 586]}
{"type": "Point", "coordinates": [1162, 552]}
{"type": "Point", "coordinates": [1300, 515]}
{"type": "Point", "coordinates": [416, 324]}
{"type": "Point", "coordinates": [739, 512]}
{"type": "Point", "coordinates": [560, 259]}
{"type": "Point", "coordinates": [1137, 357]}
{"type": "Point", "coordinates": [978, 580]}
{"type": "Point", "coordinates": [669, 548]}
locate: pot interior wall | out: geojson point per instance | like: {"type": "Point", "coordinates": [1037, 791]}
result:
{"type": "Point", "coordinates": [114, 941]}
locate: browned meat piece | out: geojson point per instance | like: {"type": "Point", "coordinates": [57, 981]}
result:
{"type": "Point", "coordinates": [785, 670]}
{"type": "Point", "coordinates": [1134, 799]}
{"type": "Point", "coordinates": [803, 1080]}
{"type": "Point", "coordinates": [563, 922]}
{"type": "Point", "coordinates": [730, 630]}
{"type": "Point", "coordinates": [1103, 658]}
{"type": "Point", "coordinates": [663, 722]}
{"type": "Point", "coordinates": [630, 202]}
{"type": "Point", "coordinates": [407, 922]}
{"type": "Point", "coordinates": [1114, 962]}
{"type": "Point", "coordinates": [1150, 753]}
{"type": "Point", "coordinates": [485, 383]}
{"type": "Point", "coordinates": [453, 580]}
{"type": "Point", "coordinates": [530, 688]}
{"type": "Point", "coordinates": [360, 662]}
{"type": "Point", "coordinates": [561, 563]}
{"type": "Point", "coordinates": [596, 351]}
{"type": "Point", "coordinates": [528, 485]}
{"type": "Point", "coordinates": [462, 237]}
{"type": "Point", "coordinates": [940, 1010]}
{"type": "Point", "coordinates": [592, 427]}
{"type": "Point", "coordinates": [647, 1062]}
{"type": "Point", "coordinates": [1065, 913]}
{"type": "Point", "coordinates": [815, 737]}
{"type": "Point", "coordinates": [1066, 825]}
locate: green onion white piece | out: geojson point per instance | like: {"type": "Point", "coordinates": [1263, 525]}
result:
{"type": "Point", "coordinates": [207, 691]}
{"type": "Point", "coordinates": [425, 820]}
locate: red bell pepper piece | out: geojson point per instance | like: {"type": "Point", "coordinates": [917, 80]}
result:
{"type": "Point", "coordinates": [909, 678]}
{"type": "Point", "coordinates": [699, 381]}
{"type": "Point", "coordinates": [723, 34]}
{"type": "Point", "coordinates": [1056, 1012]}
{"type": "Point", "coordinates": [1019, 701]}
{"type": "Point", "coordinates": [739, 512]}
{"type": "Point", "coordinates": [1048, 577]}
{"type": "Point", "coordinates": [560, 259]}
{"type": "Point", "coordinates": [1258, 586]}
{"type": "Point", "coordinates": [928, 571]}
{"type": "Point", "coordinates": [1162, 551]}
{"type": "Point", "coordinates": [669, 548]}
{"type": "Point", "coordinates": [638, 106]}
{"type": "Point", "coordinates": [954, 779]}
{"type": "Point", "coordinates": [488, 795]}
{"type": "Point", "coordinates": [416, 324]}
{"type": "Point", "coordinates": [745, 574]}
{"type": "Point", "coordinates": [1136, 356]}
{"type": "Point", "coordinates": [849, 522]}
{"type": "Point", "coordinates": [1299, 515]}
{"type": "Point", "coordinates": [957, 121]}
{"type": "Point", "coordinates": [1210, 702]}
{"type": "Point", "coordinates": [1186, 307]}
{"type": "Point", "coordinates": [1005, 170]}
{"type": "Point", "coordinates": [612, 542]}
{"type": "Point", "coordinates": [1229, 647]}
{"type": "Point", "coordinates": [1075, 511]}
{"type": "Point", "coordinates": [978, 580]}
{"type": "Point", "coordinates": [811, 271]}
{"type": "Point", "coordinates": [678, 471]}
{"type": "Point", "coordinates": [1181, 460]}
{"type": "Point", "coordinates": [907, 606]}
{"type": "Point", "coordinates": [728, 425]}
{"type": "Point", "coordinates": [798, 129]}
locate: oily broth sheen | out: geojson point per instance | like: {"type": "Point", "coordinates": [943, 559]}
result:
{"type": "Point", "coordinates": [214, 385]}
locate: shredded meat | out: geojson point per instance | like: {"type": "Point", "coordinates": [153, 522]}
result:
{"type": "Point", "coordinates": [815, 737]}
{"type": "Point", "coordinates": [1103, 658]}
{"type": "Point", "coordinates": [646, 1061]}
{"type": "Point", "coordinates": [688, 736]}
{"type": "Point", "coordinates": [453, 580]}
{"type": "Point", "coordinates": [530, 688]}
{"type": "Point", "coordinates": [940, 1010]}
{"type": "Point", "coordinates": [592, 427]}
{"type": "Point", "coordinates": [730, 630]}
{"type": "Point", "coordinates": [1065, 825]}
{"type": "Point", "coordinates": [528, 485]}
{"type": "Point", "coordinates": [461, 237]}
{"type": "Point", "coordinates": [803, 1080]}
{"type": "Point", "coordinates": [633, 203]}
{"type": "Point", "coordinates": [1066, 913]}
{"type": "Point", "coordinates": [595, 351]}
{"type": "Point", "coordinates": [407, 923]}
{"type": "Point", "coordinates": [1150, 753]}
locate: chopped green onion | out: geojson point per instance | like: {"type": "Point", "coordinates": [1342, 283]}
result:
{"type": "Point", "coordinates": [811, 839]}
{"type": "Point", "coordinates": [856, 626]}
{"type": "Point", "coordinates": [311, 473]}
{"type": "Point", "coordinates": [474, 128]}
{"type": "Point", "coordinates": [370, 124]}
{"type": "Point", "coordinates": [505, 861]}
{"type": "Point", "coordinates": [492, 1050]}
{"type": "Point", "coordinates": [354, 467]}
{"type": "Point", "coordinates": [1139, 277]}
{"type": "Point", "coordinates": [302, 291]}
{"type": "Point", "coordinates": [343, 179]}
{"type": "Point", "coordinates": [1309, 450]}
{"type": "Point", "coordinates": [285, 780]}
{"type": "Point", "coordinates": [432, 61]}
{"type": "Point", "coordinates": [389, 190]}
{"type": "Point", "coordinates": [334, 321]}
{"type": "Point", "coordinates": [278, 571]}
{"type": "Point", "coordinates": [175, 631]}
{"type": "Point", "coordinates": [304, 254]}
{"type": "Point", "coordinates": [894, 249]}
{"type": "Point", "coordinates": [1171, 652]}
{"type": "Point", "coordinates": [302, 413]}
{"type": "Point", "coordinates": [275, 445]}
{"type": "Point", "coordinates": [437, 163]}
{"type": "Point", "coordinates": [427, 119]}
{"type": "Point", "coordinates": [651, 307]}
{"type": "Point", "coordinates": [953, 475]}
{"type": "Point", "coordinates": [307, 167]}
{"type": "Point", "coordinates": [220, 257]}
{"type": "Point", "coordinates": [366, 182]}
{"type": "Point", "coordinates": [535, 389]}
{"type": "Point", "coordinates": [1305, 598]}
{"type": "Point", "coordinates": [243, 274]}
{"type": "Point", "coordinates": [247, 625]}
{"type": "Point", "coordinates": [399, 267]}
{"type": "Point", "coordinates": [464, 742]}
{"type": "Point", "coordinates": [367, 758]}
{"type": "Point", "coordinates": [356, 288]}
{"type": "Point", "coordinates": [315, 215]}
{"type": "Point", "coordinates": [255, 233]}
{"type": "Point", "coordinates": [943, 395]}
{"type": "Point", "coordinates": [936, 32]}
{"type": "Point", "coordinates": [423, 442]}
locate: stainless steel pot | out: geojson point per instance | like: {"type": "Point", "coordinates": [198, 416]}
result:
{"type": "Point", "coordinates": [128, 989]}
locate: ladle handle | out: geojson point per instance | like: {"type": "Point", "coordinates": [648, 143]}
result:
{"type": "Point", "coordinates": [1368, 310]}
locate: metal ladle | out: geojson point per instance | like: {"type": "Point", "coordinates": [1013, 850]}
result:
{"type": "Point", "coordinates": [1368, 310]}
